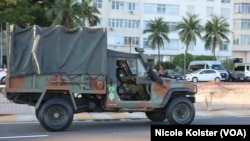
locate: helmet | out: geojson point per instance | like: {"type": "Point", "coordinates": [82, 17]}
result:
{"type": "Point", "coordinates": [120, 62]}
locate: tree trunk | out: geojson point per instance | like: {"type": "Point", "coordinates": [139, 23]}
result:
{"type": "Point", "coordinates": [185, 57]}
{"type": "Point", "coordinates": [159, 55]}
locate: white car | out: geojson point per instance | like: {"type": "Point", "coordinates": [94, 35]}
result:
{"type": "Point", "coordinates": [2, 75]}
{"type": "Point", "coordinates": [204, 75]}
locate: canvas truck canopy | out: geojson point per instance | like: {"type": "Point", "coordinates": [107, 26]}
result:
{"type": "Point", "coordinates": [57, 50]}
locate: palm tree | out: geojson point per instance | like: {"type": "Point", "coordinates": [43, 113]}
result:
{"type": "Point", "coordinates": [189, 28]}
{"type": "Point", "coordinates": [158, 32]}
{"type": "Point", "coordinates": [216, 31]}
{"type": "Point", "coordinates": [88, 13]}
{"type": "Point", "coordinates": [63, 12]}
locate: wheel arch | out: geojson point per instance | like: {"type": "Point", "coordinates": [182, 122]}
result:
{"type": "Point", "coordinates": [48, 94]}
{"type": "Point", "coordinates": [177, 92]}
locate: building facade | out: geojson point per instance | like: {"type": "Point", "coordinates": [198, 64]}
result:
{"type": "Point", "coordinates": [241, 28]}
{"type": "Point", "coordinates": [126, 20]}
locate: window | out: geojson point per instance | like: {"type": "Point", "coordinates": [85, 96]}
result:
{"type": "Point", "coordinates": [146, 43]}
{"type": "Point", "coordinates": [149, 8]}
{"type": "Point", "coordinates": [225, 13]}
{"type": "Point", "coordinates": [209, 11]}
{"type": "Point", "coordinates": [172, 26]}
{"type": "Point", "coordinates": [115, 40]}
{"type": "Point", "coordinates": [117, 5]}
{"type": "Point", "coordinates": [225, 1]}
{"type": "Point", "coordinates": [131, 40]}
{"type": "Point", "coordinates": [242, 8]}
{"type": "Point", "coordinates": [123, 23]}
{"type": "Point", "coordinates": [172, 9]}
{"type": "Point", "coordinates": [161, 8]}
{"type": "Point", "coordinates": [145, 24]}
{"type": "Point", "coordinates": [131, 23]}
{"type": "Point", "coordinates": [236, 40]}
{"type": "Point", "coordinates": [196, 67]}
{"type": "Point", "coordinates": [172, 45]}
{"type": "Point", "coordinates": [224, 46]}
{"type": "Point", "coordinates": [97, 3]}
{"type": "Point", "coordinates": [132, 65]}
{"type": "Point", "coordinates": [190, 9]}
{"type": "Point", "coordinates": [242, 24]}
{"type": "Point", "coordinates": [131, 6]}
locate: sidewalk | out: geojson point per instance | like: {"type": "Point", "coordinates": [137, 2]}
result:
{"type": "Point", "coordinates": [223, 102]}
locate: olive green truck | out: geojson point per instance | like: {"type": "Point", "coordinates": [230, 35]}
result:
{"type": "Point", "coordinates": [62, 72]}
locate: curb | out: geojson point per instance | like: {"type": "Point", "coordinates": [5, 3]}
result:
{"type": "Point", "coordinates": [126, 116]}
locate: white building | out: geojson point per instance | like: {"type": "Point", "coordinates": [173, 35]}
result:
{"type": "Point", "coordinates": [241, 21]}
{"type": "Point", "coordinates": [126, 20]}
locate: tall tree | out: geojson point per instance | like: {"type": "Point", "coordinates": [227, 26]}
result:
{"type": "Point", "coordinates": [64, 12]}
{"type": "Point", "coordinates": [216, 31]}
{"type": "Point", "coordinates": [189, 29]}
{"type": "Point", "coordinates": [88, 13]}
{"type": "Point", "coordinates": [158, 32]}
{"type": "Point", "coordinates": [19, 12]}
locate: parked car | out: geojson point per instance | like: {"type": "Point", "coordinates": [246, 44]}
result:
{"type": "Point", "coordinates": [170, 73]}
{"type": "Point", "coordinates": [204, 75]}
{"type": "Point", "coordinates": [2, 75]}
{"type": "Point", "coordinates": [236, 76]}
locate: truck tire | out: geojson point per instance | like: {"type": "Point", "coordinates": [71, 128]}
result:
{"type": "Point", "coordinates": [181, 111]}
{"type": "Point", "coordinates": [55, 115]}
{"type": "Point", "coordinates": [156, 115]}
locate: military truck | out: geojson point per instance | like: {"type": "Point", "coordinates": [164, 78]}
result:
{"type": "Point", "coordinates": [62, 72]}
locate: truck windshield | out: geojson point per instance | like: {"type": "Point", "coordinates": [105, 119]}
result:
{"type": "Point", "coordinates": [137, 67]}
{"type": "Point", "coordinates": [218, 67]}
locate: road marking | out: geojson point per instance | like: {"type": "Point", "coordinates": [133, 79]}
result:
{"type": "Point", "coordinates": [17, 137]}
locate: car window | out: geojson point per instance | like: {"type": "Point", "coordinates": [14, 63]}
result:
{"type": "Point", "coordinates": [212, 71]}
{"type": "Point", "coordinates": [203, 72]}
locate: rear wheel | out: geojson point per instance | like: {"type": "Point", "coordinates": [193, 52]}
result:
{"type": "Point", "coordinates": [156, 115]}
{"type": "Point", "coordinates": [55, 115]}
{"type": "Point", "coordinates": [180, 111]}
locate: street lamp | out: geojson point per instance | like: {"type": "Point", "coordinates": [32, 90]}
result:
{"type": "Point", "coordinates": [1, 48]}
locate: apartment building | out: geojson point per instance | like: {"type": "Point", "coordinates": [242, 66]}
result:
{"type": "Point", "coordinates": [241, 28]}
{"type": "Point", "coordinates": [126, 20]}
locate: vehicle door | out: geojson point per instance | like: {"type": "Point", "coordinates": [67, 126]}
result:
{"type": "Point", "coordinates": [212, 74]}
{"type": "Point", "coordinates": [204, 75]}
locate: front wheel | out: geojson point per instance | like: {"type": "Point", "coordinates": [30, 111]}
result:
{"type": "Point", "coordinates": [181, 111]}
{"type": "Point", "coordinates": [217, 79]}
{"type": "Point", "coordinates": [195, 79]}
{"type": "Point", "coordinates": [55, 115]}
{"type": "Point", "coordinates": [156, 115]}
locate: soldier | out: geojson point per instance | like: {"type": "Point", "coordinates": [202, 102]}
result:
{"type": "Point", "coordinates": [128, 81]}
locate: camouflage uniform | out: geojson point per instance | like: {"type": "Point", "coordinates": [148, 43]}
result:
{"type": "Point", "coordinates": [129, 82]}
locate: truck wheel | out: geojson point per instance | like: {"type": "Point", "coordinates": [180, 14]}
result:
{"type": "Point", "coordinates": [180, 110]}
{"type": "Point", "coordinates": [156, 116]}
{"type": "Point", "coordinates": [55, 115]}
